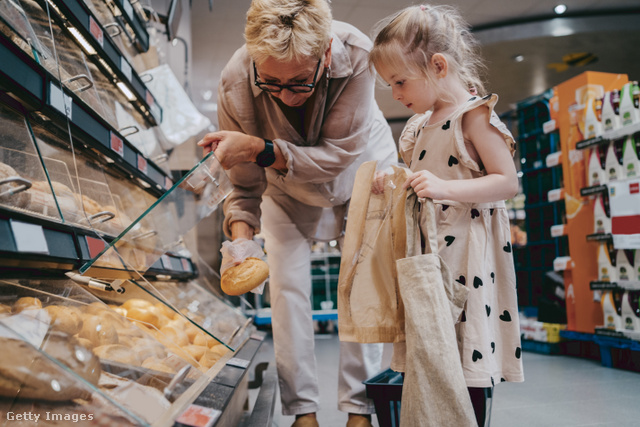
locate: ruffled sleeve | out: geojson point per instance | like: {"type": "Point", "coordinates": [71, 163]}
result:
{"type": "Point", "coordinates": [408, 136]}
{"type": "Point", "coordinates": [490, 101]}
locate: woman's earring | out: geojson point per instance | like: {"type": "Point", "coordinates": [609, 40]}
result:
{"type": "Point", "coordinates": [328, 72]}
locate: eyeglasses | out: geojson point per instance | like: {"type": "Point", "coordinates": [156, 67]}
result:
{"type": "Point", "coordinates": [296, 88]}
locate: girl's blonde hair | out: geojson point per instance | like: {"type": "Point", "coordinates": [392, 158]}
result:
{"type": "Point", "coordinates": [288, 29]}
{"type": "Point", "coordinates": [408, 39]}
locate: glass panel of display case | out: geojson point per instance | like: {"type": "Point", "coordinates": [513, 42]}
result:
{"type": "Point", "coordinates": [24, 185]}
{"type": "Point", "coordinates": [97, 209]}
{"type": "Point", "coordinates": [71, 67]}
{"type": "Point", "coordinates": [192, 198]}
{"type": "Point", "coordinates": [137, 358]}
{"type": "Point", "coordinates": [49, 380]}
{"type": "Point", "coordinates": [174, 313]}
{"type": "Point", "coordinates": [212, 313]}
{"type": "Point", "coordinates": [123, 37]}
{"type": "Point", "coordinates": [15, 24]}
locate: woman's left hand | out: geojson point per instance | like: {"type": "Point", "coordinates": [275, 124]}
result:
{"type": "Point", "coordinates": [232, 147]}
{"type": "Point", "coordinates": [426, 184]}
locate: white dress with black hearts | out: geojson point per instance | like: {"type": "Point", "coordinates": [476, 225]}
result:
{"type": "Point", "coordinates": [474, 240]}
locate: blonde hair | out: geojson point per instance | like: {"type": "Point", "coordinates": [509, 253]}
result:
{"type": "Point", "coordinates": [288, 29]}
{"type": "Point", "coordinates": [408, 39]}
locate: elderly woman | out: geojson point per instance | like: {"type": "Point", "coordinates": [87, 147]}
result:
{"type": "Point", "coordinates": [298, 116]}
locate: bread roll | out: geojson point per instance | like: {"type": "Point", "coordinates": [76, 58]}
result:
{"type": "Point", "coordinates": [65, 319]}
{"type": "Point", "coordinates": [211, 356]}
{"type": "Point", "coordinates": [98, 331]}
{"type": "Point", "coordinates": [245, 276]}
{"type": "Point", "coordinates": [137, 303]}
{"type": "Point", "coordinates": [157, 365]}
{"type": "Point", "coordinates": [175, 335]}
{"type": "Point", "coordinates": [28, 374]}
{"type": "Point", "coordinates": [117, 353]}
{"type": "Point", "coordinates": [19, 200]}
{"type": "Point", "coordinates": [196, 351]}
{"type": "Point", "coordinates": [26, 303]}
{"type": "Point", "coordinates": [145, 315]}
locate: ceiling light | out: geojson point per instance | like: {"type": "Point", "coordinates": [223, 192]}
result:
{"type": "Point", "coordinates": [560, 9]}
{"type": "Point", "coordinates": [518, 58]}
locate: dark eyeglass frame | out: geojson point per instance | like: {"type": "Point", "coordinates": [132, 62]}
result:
{"type": "Point", "coordinates": [295, 88]}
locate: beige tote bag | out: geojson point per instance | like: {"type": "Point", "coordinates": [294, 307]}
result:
{"type": "Point", "coordinates": [434, 391]}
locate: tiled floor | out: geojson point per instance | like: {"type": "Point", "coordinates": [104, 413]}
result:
{"type": "Point", "coordinates": [559, 391]}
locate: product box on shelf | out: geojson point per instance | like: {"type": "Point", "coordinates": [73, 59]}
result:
{"type": "Point", "coordinates": [574, 120]}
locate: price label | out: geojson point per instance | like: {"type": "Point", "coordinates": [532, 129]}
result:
{"type": "Point", "coordinates": [128, 9]}
{"type": "Point", "coordinates": [117, 145]}
{"type": "Point", "coordinates": [95, 246]}
{"type": "Point", "coordinates": [125, 68]}
{"type": "Point", "coordinates": [166, 262]}
{"type": "Point", "coordinates": [96, 31]}
{"type": "Point", "coordinates": [238, 363]}
{"type": "Point", "coordinates": [557, 230]}
{"type": "Point", "coordinates": [555, 195]}
{"type": "Point", "coordinates": [29, 237]}
{"type": "Point", "coordinates": [549, 126]}
{"type": "Point", "coordinates": [198, 416]}
{"type": "Point", "coordinates": [553, 159]}
{"type": "Point", "coordinates": [142, 164]}
{"type": "Point", "coordinates": [60, 101]}
{"type": "Point", "coordinates": [186, 265]}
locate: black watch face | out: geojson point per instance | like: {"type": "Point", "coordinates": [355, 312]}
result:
{"type": "Point", "coordinates": [266, 159]}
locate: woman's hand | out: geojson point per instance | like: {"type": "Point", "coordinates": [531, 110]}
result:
{"type": "Point", "coordinates": [377, 186]}
{"type": "Point", "coordinates": [426, 184]}
{"type": "Point", "coordinates": [232, 147]}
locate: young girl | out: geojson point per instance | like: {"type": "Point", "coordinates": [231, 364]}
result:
{"type": "Point", "coordinates": [461, 157]}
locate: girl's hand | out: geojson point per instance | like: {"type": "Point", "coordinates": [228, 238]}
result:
{"type": "Point", "coordinates": [426, 184]}
{"type": "Point", "coordinates": [377, 186]}
{"type": "Point", "coordinates": [232, 147]}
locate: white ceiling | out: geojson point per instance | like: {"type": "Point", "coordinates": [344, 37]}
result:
{"type": "Point", "coordinates": [506, 28]}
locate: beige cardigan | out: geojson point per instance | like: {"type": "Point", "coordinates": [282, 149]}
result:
{"type": "Point", "coordinates": [347, 129]}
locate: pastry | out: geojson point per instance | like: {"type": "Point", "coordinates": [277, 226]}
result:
{"type": "Point", "coordinates": [28, 374]}
{"type": "Point", "coordinates": [26, 303]}
{"type": "Point", "coordinates": [244, 277]}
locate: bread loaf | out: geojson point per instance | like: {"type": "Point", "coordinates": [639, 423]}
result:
{"type": "Point", "coordinates": [19, 200]}
{"type": "Point", "coordinates": [28, 374]}
{"type": "Point", "coordinates": [245, 276]}
{"type": "Point", "coordinates": [65, 319]}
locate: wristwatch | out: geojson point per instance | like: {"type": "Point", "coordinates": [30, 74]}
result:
{"type": "Point", "coordinates": [267, 156]}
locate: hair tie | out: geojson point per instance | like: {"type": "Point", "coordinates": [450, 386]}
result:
{"type": "Point", "coordinates": [423, 7]}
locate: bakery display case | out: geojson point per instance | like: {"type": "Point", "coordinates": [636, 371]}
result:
{"type": "Point", "coordinates": [101, 304]}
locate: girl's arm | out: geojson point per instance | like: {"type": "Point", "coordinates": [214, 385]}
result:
{"type": "Point", "coordinates": [500, 182]}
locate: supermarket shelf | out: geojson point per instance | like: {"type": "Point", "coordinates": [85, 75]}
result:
{"type": "Point", "coordinates": [38, 90]}
{"type": "Point", "coordinates": [36, 246]}
{"type": "Point", "coordinates": [128, 15]}
{"type": "Point", "coordinates": [608, 136]}
{"type": "Point", "coordinates": [105, 54]}
{"type": "Point", "coordinates": [597, 285]}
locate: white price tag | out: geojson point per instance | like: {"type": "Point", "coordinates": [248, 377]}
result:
{"type": "Point", "coordinates": [128, 9]}
{"type": "Point", "coordinates": [549, 126]}
{"type": "Point", "coordinates": [238, 363]}
{"type": "Point", "coordinates": [553, 159]}
{"type": "Point", "coordinates": [166, 262]}
{"type": "Point", "coordinates": [59, 100]}
{"type": "Point", "coordinates": [555, 195]}
{"type": "Point", "coordinates": [557, 230]}
{"type": "Point", "coordinates": [562, 263]}
{"type": "Point", "coordinates": [29, 237]}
